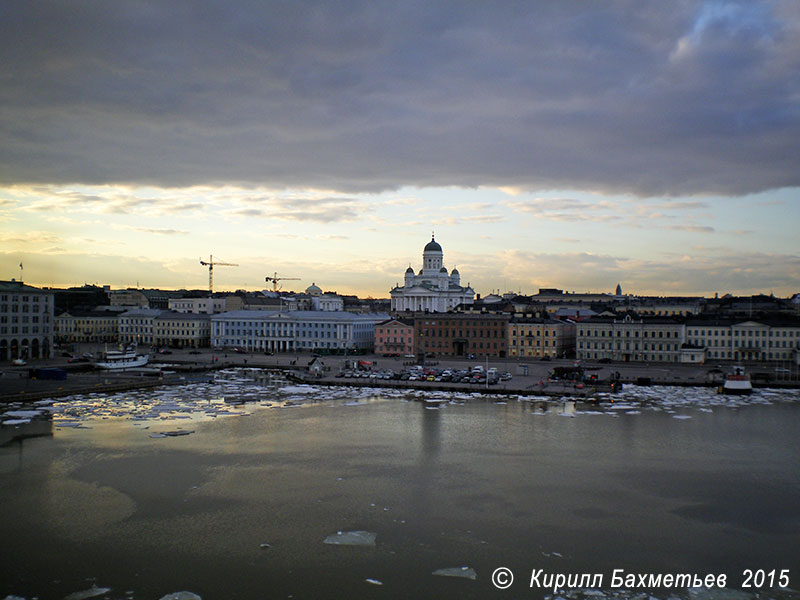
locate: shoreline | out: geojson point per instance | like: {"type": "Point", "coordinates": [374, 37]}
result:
{"type": "Point", "coordinates": [82, 381]}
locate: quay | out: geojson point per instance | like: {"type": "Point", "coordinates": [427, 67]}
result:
{"type": "Point", "coordinates": [529, 378]}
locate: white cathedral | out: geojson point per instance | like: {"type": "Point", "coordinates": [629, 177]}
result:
{"type": "Point", "coordinates": [433, 290]}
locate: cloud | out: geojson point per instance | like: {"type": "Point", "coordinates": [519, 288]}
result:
{"type": "Point", "coordinates": [692, 228]}
{"type": "Point", "coordinates": [661, 99]}
{"type": "Point", "coordinates": [155, 230]}
{"type": "Point", "coordinates": [469, 219]}
{"type": "Point", "coordinates": [703, 272]}
{"type": "Point", "coordinates": [566, 209]}
{"type": "Point", "coordinates": [31, 237]}
{"type": "Point", "coordinates": [322, 209]}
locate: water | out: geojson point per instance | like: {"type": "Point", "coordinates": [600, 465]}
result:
{"type": "Point", "coordinates": [240, 508]}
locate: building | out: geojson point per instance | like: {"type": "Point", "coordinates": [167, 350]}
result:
{"type": "Point", "coordinates": [143, 298]}
{"type": "Point", "coordinates": [26, 321]}
{"type": "Point", "coordinates": [433, 289]}
{"type": "Point", "coordinates": [265, 302]}
{"type": "Point", "coordinates": [209, 305]}
{"type": "Point", "coordinates": [85, 297]}
{"type": "Point", "coordinates": [136, 326]}
{"type": "Point", "coordinates": [295, 331]}
{"type": "Point", "coordinates": [314, 290]}
{"type": "Point", "coordinates": [462, 334]}
{"type": "Point", "coordinates": [630, 338]}
{"type": "Point", "coordinates": [327, 302]}
{"type": "Point", "coordinates": [394, 337]}
{"type": "Point", "coordinates": [182, 330]}
{"type": "Point", "coordinates": [537, 337]}
{"type": "Point", "coordinates": [127, 298]}
{"type": "Point", "coordinates": [667, 308]}
{"type": "Point", "coordinates": [774, 338]}
{"type": "Point", "coordinates": [87, 326]}
{"type": "Point", "coordinates": [548, 296]}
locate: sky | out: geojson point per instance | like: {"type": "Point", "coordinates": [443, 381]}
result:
{"type": "Point", "coordinates": [561, 144]}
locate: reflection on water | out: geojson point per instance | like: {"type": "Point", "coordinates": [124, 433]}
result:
{"type": "Point", "coordinates": [241, 507]}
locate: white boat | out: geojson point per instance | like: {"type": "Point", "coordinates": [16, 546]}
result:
{"type": "Point", "coordinates": [737, 383]}
{"type": "Point", "coordinates": [121, 359]}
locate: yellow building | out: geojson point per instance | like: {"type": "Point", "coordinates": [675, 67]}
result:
{"type": "Point", "coordinates": [87, 326]}
{"type": "Point", "coordinates": [537, 337]}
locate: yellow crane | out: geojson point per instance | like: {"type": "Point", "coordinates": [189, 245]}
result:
{"type": "Point", "coordinates": [211, 264]}
{"type": "Point", "coordinates": [275, 279]}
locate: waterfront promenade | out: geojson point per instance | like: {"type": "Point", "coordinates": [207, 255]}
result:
{"type": "Point", "coordinates": [529, 377]}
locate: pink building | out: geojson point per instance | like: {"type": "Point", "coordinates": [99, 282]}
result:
{"type": "Point", "coordinates": [394, 337]}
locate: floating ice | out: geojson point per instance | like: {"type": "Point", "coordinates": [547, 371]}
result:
{"type": "Point", "coordinates": [10, 597]}
{"type": "Point", "coordinates": [718, 594]}
{"type": "Point", "coordinates": [90, 593]}
{"type": "Point", "coordinates": [462, 572]}
{"type": "Point", "coordinates": [681, 417]}
{"type": "Point", "coordinates": [351, 538]}
{"type": "Point", "coordinates": [16, 422]}
{"type": "Point", "coordinates": [181, 596]}
{"type": "Point", "coordinates": [23, 414]}
{"type": "Point", "coordinates": [373, 581]}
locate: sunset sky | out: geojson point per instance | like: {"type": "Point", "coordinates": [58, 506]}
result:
{"type": "Point", "coordinates": [548, 144]}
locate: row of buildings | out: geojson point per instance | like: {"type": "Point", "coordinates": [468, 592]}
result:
{"type": "Point", "coordinates": [432, 314]}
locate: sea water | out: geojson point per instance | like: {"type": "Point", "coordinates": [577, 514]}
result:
{"type": "Point", "coordinates": [231, 488]}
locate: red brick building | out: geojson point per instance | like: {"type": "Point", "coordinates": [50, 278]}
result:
{"type": "Point", "coordinates": [457, 334]}
{"type": "Point", "coordinates": [394, 337]}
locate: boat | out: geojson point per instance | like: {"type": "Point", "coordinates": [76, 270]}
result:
{"type": "Point", "coordinates": [737, 383]}
{"type": "Point", "coordinates": [121, 359]}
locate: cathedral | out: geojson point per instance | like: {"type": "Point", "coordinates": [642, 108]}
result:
{"type": "Point", "coordinates": [433, 289]}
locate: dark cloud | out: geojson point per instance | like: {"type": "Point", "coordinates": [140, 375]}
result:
{"type": "Point", "coordinates": [668, 98]}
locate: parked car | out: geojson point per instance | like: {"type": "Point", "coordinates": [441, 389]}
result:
{"type": "Point", "coordinates": [18, 362]}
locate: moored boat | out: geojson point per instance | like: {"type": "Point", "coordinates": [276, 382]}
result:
{"type": "Point", "coordinates": [737, 383]}
{"type": "Point", "coordinates": [121, 359]}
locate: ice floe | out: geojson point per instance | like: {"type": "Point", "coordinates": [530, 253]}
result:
{"type": "Point", "coordinates": [92, 592]}
{"type": "Point", "coordinates": [232, 390]}
{"type": "Point", "coordinates": [462, 572]}
{"type": "Point", "coordinates": [352, 538]}
{"type": "Point", "coordinates": [181, 596]}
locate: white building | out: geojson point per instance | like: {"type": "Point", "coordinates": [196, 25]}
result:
{"type": "Point", "coordinates": [293, 331]}
{"type": "Point", "coordinates": [773, 338]}
{"type": "Point", "coordinates": [630, 338]}
{"type": "Point", "coordinates": [207, 306]}
{"type": "Point", "coordinates": [327, 302]}
{"type": "Point", "coordinates": [26, 321]}
{"type": "Point", "coordinates": [433, 289]}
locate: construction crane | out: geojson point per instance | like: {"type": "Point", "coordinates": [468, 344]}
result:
{"type": "Point", "coordinates": [211, 264]}
{"type": "Point", "coordinates": [275, 279]}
